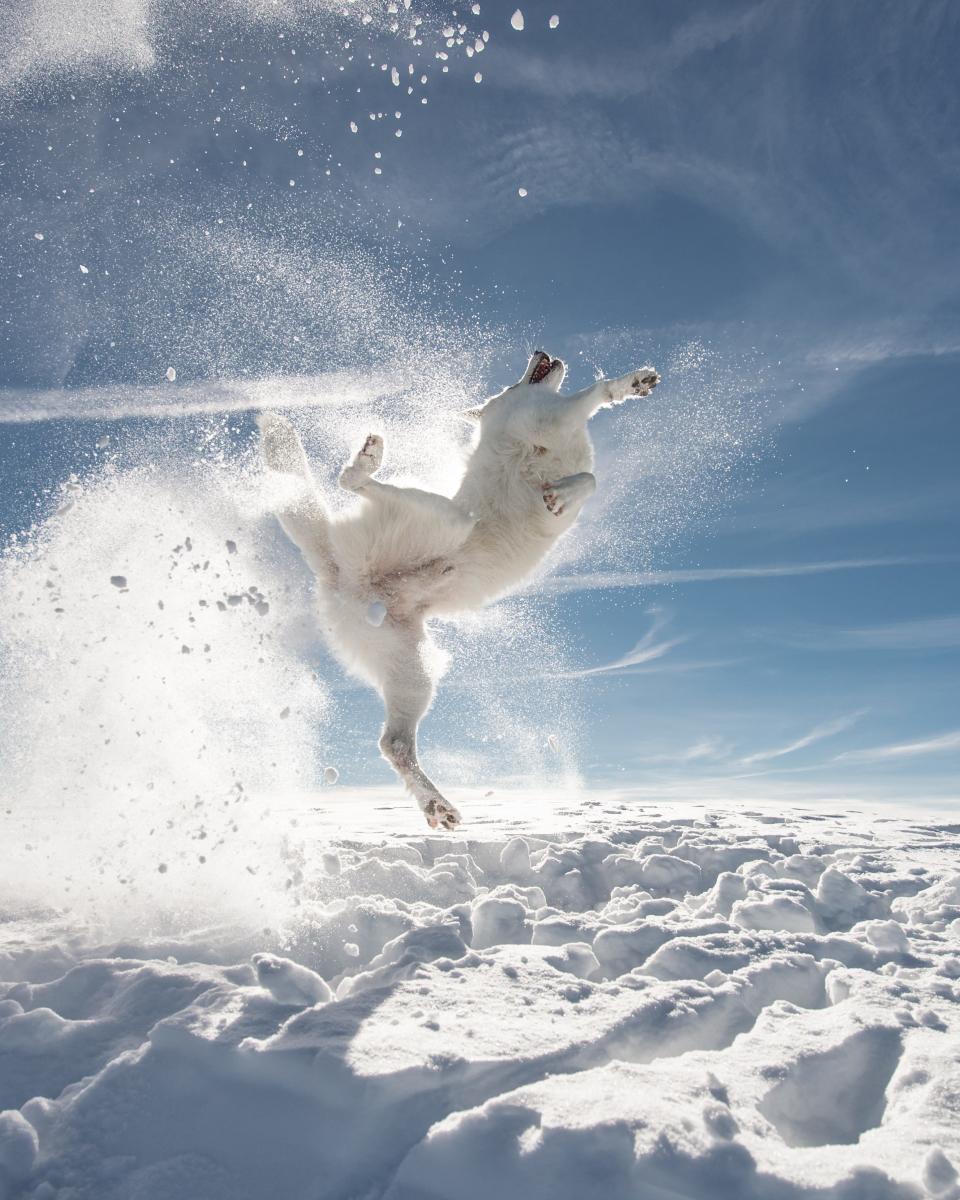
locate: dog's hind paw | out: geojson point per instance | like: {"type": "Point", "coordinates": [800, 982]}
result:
{"type": "Point", "coordinates": [366, 461]}
{"type": "Point", "coordinates": [279, 444]}
{"type": "Point", "coordinates": [440, 813]}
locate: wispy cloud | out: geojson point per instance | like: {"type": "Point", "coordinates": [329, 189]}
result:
{"type": "Point", "coordinates": [684, 666]}
{"type": "Point", "coordinates": [935, 745]}
{"type": "Point", "coordinates": [637, 579]}
{"type": "Point", "coordinates": [650, 648]}
{"type": "Point", "coordinates": [571, 76]}
{"type": "Point", "coordinates": [925, 633]}
{"type": "Point", "coordinates": [817, 734]}
{"type": "Point", "coordinates": [186, 398]}
{"type": "Point", "coordinates": [705, 749]}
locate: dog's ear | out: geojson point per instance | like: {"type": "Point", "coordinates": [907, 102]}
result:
{"type": "Point", "coordinates": [472, 414]}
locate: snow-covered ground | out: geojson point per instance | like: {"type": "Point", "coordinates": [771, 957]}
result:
{"type": "Point", "coordinates": [580, 997]}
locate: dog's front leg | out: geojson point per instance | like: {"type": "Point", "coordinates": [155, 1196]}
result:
{"type": "Point", "coordinates": [607, 392]}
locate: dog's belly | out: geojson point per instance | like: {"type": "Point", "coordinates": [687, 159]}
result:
{"type": "Point", "coordinates": [494, 559]}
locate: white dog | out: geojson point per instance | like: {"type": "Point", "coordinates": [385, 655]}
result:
{"type": "Point", "coordinates": [405, 554]}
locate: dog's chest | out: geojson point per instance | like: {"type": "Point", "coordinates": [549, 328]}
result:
{"type": "Point", "coordinates": [549, 463]}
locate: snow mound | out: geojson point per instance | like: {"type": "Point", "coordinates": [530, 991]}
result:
{"type": "Point", "coordinates": [677, 1002]}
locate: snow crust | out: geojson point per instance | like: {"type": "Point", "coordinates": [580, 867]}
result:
{"type": "Point", "coordinates": [605, 998]}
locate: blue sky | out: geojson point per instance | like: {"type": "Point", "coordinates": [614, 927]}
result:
{"type": "Point", "coordinates": [760, 198]}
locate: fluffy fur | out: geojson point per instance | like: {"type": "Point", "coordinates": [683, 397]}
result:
{"type": "Point", "coordinates": [404, 554]}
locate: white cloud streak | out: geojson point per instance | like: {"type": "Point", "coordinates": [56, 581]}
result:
{"type": "Point", "coordinates": [927, 633]}
{"type": "Point", "coordinates": [647, 650]}
{"type": "Point", "coordinates": [639, 579]}
{"type": "Point", "coordinates": [936, 745]}
{"type": "Point", "coordinates": [817, 734]}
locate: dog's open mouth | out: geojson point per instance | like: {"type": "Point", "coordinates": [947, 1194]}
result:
{"type": "Point", "coordinates": [543, 366]}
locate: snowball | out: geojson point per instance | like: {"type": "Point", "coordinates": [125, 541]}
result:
{"type": "Point", "coordinates": [517, 20]}
{"type": "Point", "coordinates": [478, 78]}
{"type": "Point", "coordinates": [939, 1173]}
{"type": "Point", "coordinates": [171, 373]}
{"type": "Point", "coordinates": [779, 912]}
{"type": "Point", "coordinates": [515, 857]}
{"type": "Point", "coordinates": [554, 21]}
{"type": "Point", "coordinates": [289, 982]}
{"type": "Point", "coordinates": [666, 872]}
{"type": "Point", "coordinates": [330, 775]}
{"type": "Point", "coordinates": [521, 191]}
{"type": "Point", "coordinates": [575, 958]}
{"type": "Point", "coordinates": [18, 1145]}
{"type": "Point", "coordinates": [887, 935]}
{"type": "Point", "coordinates": [497, 920]}
{"type": "Point", "coordinates": [842, 899]}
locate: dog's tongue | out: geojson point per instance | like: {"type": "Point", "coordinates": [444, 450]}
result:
{"type": "Point", "coordinates": [542, 369]}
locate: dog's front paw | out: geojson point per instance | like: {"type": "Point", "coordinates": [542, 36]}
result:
{"type": "Point", "coordinates": [553, 498]}
{"type": "Point", "coordinates": [642, 382]}
{"type": "Point", "coordinates": [568, 493]}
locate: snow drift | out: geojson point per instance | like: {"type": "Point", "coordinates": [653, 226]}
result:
{"type": "Point", "coordinates": [569, 1001]}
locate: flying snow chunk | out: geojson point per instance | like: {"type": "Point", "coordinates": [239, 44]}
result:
{"type": "Point", "coordinates": [517, 20]}
{"type": "Point", "coordinates": [376, 613]}
{"type": "Point", "coordinates": [330, 775]}
{"type": "Point", "coordinates": [554, 21]}
{"type": "Point", "coordinates": [521, 191]}
{"type": "Point", "coordinates": [395, 76]}
{"type": "Point", "coordinates": [118, 581]}
{"type": "Point", "coordinates": [84, 270]}
{"type": "Point", "coordinates": [171, 373]}
{"type": "Point", "coordinates": [354, 127]}
{"type": "Point", "coordinates": [478, 78]}
{"type": "Point", "coordinates": [38, 236]}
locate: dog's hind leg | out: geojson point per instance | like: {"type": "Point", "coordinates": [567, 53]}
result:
{"type": "Point", "coordinates": [439, 511]}
{"type": "Point", "coordinates": [357, 476]}
{"type": "Point", "coordinates": [407, 691]}
{"type": "Point", "coordinates": [281, 447]}
{"type": "Point", "coordinates": [303, 515]}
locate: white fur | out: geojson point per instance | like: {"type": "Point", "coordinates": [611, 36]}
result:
{"type": "Point", "coordinates": [415, 554]}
